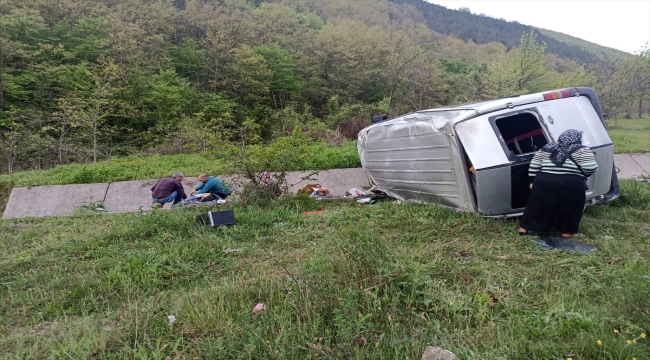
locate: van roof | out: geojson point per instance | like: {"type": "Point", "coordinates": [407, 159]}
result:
{"type": "Point", "coordinates": [452, 115]}
{"type": "Point", "coordinates": [486, 106]}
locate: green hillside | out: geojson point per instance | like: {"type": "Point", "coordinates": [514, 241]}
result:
{"type": "Point", "coordinates": [595, 49]}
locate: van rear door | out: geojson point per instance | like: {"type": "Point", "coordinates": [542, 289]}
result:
{"type": "Point", "coordinates": [578, 113]}
{"type": "Point", "coordinates": [500, 145]}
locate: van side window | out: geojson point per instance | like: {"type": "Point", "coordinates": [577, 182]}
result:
{"type": "Point", "coordinates": [522, 133]}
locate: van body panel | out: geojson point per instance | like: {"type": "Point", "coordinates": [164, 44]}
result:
{"type": "Point", "coordinates": [574, 113]}
{"type": "Point", "coordinates": [414, 161]}
{"type": "Point", "coordinates": [600, 182]}
{"type": "Point", "coordinates": [481, 143]}
{"type": "Point", "coordinates": [493, 191]}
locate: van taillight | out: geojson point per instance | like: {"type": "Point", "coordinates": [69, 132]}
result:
{"type": "Point", "coordinates": [557, 95]}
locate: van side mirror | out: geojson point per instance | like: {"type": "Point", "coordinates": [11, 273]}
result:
{"type": "Point", "coordinates": [379, 118]}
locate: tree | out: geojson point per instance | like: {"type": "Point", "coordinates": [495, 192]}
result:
{"type": "Point", "coordinates": [529, 63]}
{"type": "Point", "coordinates": [188, 59]}
{"type": "Point", "coordinates": [284, 82]}
{"type": "Point", "coordinates": [500, 78]}
{"type": "Point", "coordinates": [91, 106]}
{"type": "Point", "coordinates": [249, 77]}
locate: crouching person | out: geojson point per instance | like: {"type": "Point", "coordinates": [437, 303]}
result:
{"type": "Point", "coordinates": [212, 185]}
{"type": "Point", "coordinates": [168, 190]}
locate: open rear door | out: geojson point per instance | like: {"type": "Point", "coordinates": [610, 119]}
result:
{"type": "Point", "coordinates": [500, 145]}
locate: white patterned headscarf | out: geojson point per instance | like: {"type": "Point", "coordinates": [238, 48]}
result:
{"type": "Point", "coordinates": [569, 142]}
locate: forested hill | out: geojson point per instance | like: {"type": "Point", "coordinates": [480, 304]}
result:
{"type": "Point", "coordinates": [598, 50]}
{"type": "Point", "coordinates": [483, 29]}
{"type": "Point", "coordinates": [84, 80]}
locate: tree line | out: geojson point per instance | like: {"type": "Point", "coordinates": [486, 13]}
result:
{"type": "Point", "coordinates": [83, 81]}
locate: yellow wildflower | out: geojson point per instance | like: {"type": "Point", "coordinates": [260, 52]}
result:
{"type": "Point", "coordinates": [634, 341]}
{"type": "Point", "coordinates": [629, 342]}
{"type": "Point", "coordinates": [600, 343]}
{"type": "Point", "coordinates": [616, 331]}
{"type": "Point", "coordinates": [643, 335]}
{"type": "Point", "coordinates": [569, 358]}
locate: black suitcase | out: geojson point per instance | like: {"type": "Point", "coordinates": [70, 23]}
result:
{"type": "Point", "coordinates": [217, 218]}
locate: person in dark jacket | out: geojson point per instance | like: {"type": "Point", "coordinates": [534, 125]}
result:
{"type": "Point", "coordinates": [557, 198]}
{"type": "Point", "coordinates": [168, 190]}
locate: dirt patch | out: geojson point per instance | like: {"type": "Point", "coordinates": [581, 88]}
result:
{"type": "Point", "coordinates": [5, 191]}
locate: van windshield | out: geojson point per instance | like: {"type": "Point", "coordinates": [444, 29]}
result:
{"type": "Point", "coordinates": [522, 133]}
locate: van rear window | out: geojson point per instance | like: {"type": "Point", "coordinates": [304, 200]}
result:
{"type": "Point", "coordinates": [522, 133]}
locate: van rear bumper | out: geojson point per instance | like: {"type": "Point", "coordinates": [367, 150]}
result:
{"type": "Point", "coordinates": [613, 193]}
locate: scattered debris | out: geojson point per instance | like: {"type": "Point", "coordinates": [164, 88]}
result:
{"type": "Point", "coordinates": [643, 179]}
{"type": "Point", "coordinates": [354, 192]}
{"type": "Point", "coordinates": [551, 243]}
{"type": "Point", "coordinates": [320, 193]}
{"type": "Point", "coordinates": [436, 353]}
{"type": "Point", "coordinates": [259, 309]}
{"type": "Point", "coordinates": [307, 213]}
{"type": "Point", "coordinates": [308, 189]}
{"type": "Point", "coordinates": [361, 340]}
{"type": "Point", "coordinates": [495, 300]}
{"type": "Point", "coordinates": [230, 251]}
{"type": "Point", "coordinates": [366, 200]}
{"type": "Point", "coordinates": [172, 319]}
{"type": "Point", "coordinates": [461, 254]}
{"type": "Point", "coordinates": [315, 347]}
{"type": "Point", "coordinates": [100, 209]}
{"type": "Point", "coordinates": [615, 260]}
{"type": "Point", "coordinates": [169, 236]}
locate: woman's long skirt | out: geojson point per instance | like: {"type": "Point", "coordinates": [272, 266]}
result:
{"type": "Point", "coordinates": [555, 204]}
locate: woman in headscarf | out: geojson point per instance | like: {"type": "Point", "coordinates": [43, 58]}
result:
{"type": "Point", "coordinates": [559, 173]}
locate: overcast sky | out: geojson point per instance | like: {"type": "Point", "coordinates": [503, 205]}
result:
{"type": "Point", "coordinates": [619, 24]}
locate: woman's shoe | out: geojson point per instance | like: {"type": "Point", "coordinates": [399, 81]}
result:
{"type": "Point", "coordinates": [577, 235]}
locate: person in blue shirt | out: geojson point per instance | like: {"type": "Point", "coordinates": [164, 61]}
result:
{"type": "Point", "coordinates": [212, 185]}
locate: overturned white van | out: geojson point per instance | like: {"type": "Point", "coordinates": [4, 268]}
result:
{"type": "Point", "coordinates": [425, 156]}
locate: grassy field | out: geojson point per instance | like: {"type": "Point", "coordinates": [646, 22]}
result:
{"type": "Point", "coordinates": [630, 136]}
{"type": "Point", "coordinates": [355, 282]}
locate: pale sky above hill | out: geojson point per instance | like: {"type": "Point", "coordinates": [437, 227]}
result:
{"type": "Point", "coordinates": [619, 24]}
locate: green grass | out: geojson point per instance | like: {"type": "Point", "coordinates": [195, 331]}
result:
{"type": "Point", "coordinates": [630, 136]}
{"type": "Point", "coordinates": [102, 286]}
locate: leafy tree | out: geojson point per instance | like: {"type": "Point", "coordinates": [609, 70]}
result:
{"type": "Point", "coordinates": [284, 82]}
{"type": "Point", "coordinates": [92, 105]}
{"type": "Point", "coordinates": [188, 59]}
{"type": "Point", "coordinates": [529, 63]}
